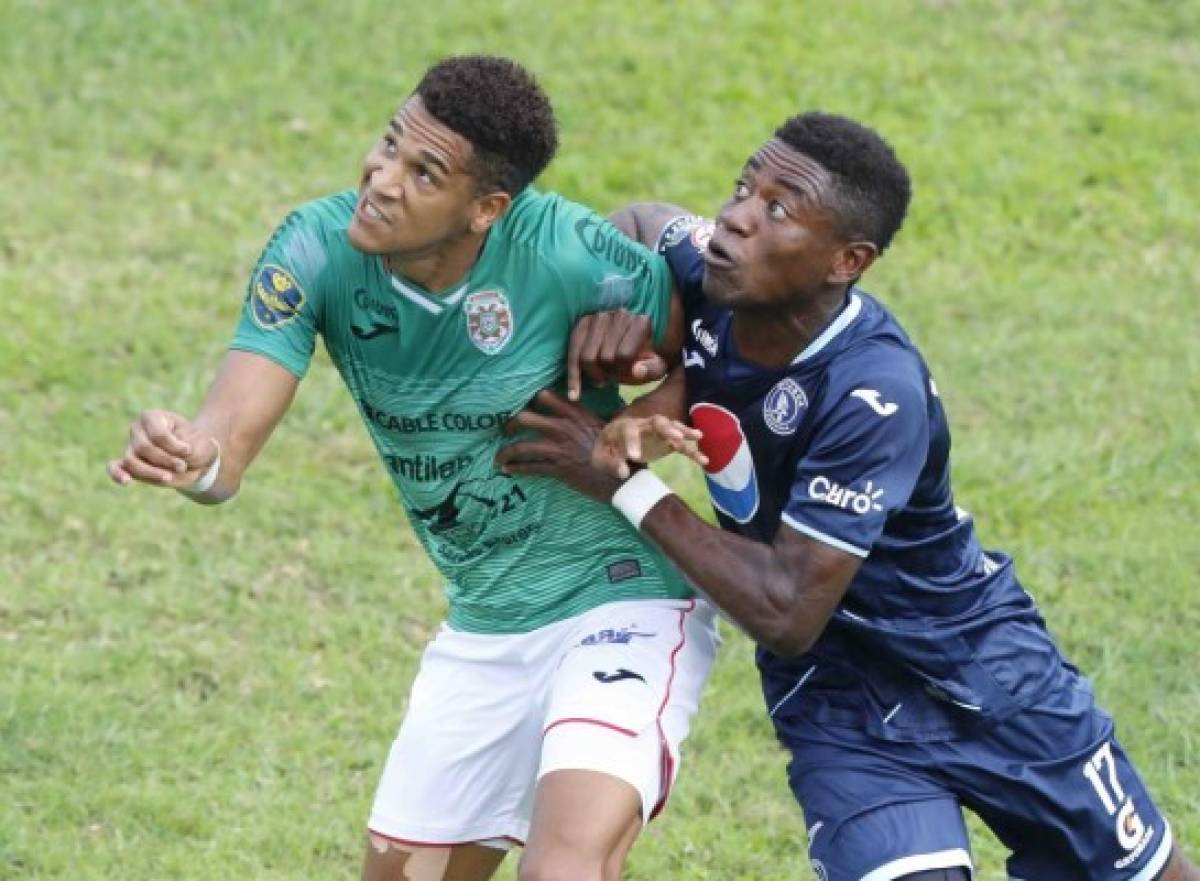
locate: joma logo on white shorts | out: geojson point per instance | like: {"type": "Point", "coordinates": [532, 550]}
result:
{"type": "Point", "coordinates": [825, 490]}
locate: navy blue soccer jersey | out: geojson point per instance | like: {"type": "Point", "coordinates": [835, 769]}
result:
{"type": "Point", "coordinates": [849, 445]}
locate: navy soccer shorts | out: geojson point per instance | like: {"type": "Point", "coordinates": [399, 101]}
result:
{"type": "Point", "coordinates": [1051, 782]}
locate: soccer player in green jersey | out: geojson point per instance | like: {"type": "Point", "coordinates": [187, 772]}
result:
{"type": "Point", "coordinates": [550, 708]}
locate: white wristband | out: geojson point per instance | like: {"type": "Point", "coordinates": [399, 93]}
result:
{"type": "Point", "coordinates": [206, 480]}
{"type": "Point", "coordinates": [638, 495]}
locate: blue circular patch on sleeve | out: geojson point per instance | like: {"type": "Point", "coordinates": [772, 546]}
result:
{"type": "Point", "coordinates": [275, 298]}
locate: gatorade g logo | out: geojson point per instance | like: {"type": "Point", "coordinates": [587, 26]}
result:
{"type": "Point", "coordinates": [275, 298]}
{"type": "Point", "coordinates": [1132, 833]}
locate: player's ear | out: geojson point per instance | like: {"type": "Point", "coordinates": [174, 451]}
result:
{"type": "Point", "coordinates": [488, 209]}
{"type": "Point", "coordinates": [851, 261]}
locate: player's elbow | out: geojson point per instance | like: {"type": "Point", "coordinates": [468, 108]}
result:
{"type": "Point", "coordinates": [786, 634]}
{"type": "Point", "coordinates": [789, 642]}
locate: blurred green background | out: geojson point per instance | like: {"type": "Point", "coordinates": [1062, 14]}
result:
{"type": "Point", "coordinates": [210, 693]}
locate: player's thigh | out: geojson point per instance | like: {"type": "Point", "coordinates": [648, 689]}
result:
{"type": "Point", "coordinates": [584, 823]}
{"type": "Point", "coordinates": [392, 861]}
{"type": "Point", "coordinates": [464, 764]}
{"type": "Point", "coordinates": [1057, 788]}
{"type": "Point", "coordinates": [1180, 868]}
{"type": "Point", "coordinates": [872, 811]}
{"type": "Point", "coordinates": [625, 691]}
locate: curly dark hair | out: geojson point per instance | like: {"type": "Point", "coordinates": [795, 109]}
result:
{"type": "Point", "coordinates": [871, 188]}
{"type": "Point", "coordinates": [498, 106]}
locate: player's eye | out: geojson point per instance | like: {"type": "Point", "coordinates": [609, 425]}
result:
{"type": "Point", "coordinates": [776, 210]}
{"type": "Point", "coordinates": [389, 144]}
{"type": "Point", "coordinates": [425, 176]}
{"type": "Point", "coordinates": [740, 189]}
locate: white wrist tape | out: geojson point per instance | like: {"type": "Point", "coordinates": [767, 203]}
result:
{"type": "Point", "coordinates": [638, 495]}
{"type": "Point", "coordinates": [206, 480]}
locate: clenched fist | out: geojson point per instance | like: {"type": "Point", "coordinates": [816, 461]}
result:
{"type": "Point", "coordinates": [165, 450]}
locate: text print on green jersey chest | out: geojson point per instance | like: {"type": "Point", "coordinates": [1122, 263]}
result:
{"type": "Point", "coordinates": [435, 396]}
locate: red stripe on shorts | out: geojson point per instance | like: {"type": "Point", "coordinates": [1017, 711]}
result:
{"type": "Point", "coordinates": [668, 764]}
{"type": "Point", "coordinates": [410, 843]}
{"type": "Point", "coordinates": [586, 720]}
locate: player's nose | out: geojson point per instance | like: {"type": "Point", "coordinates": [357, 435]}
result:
{"type": "Point", "coordinates": [736, 217]}
{"type": "Point", "coordinates": [384, 180]}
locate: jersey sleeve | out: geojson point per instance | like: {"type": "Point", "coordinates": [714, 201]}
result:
{"type": "Point", "coordinates": [281, 315]}
{"type": "Point", "coordinates": [602, 269]}
{"type": "Point", "coordinates": [683, 242]}
{"type": "Point", "coordinates": [864, 457]}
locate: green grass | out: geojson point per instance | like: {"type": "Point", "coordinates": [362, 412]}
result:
{"type": "Point", "coordinates": [209, 694]}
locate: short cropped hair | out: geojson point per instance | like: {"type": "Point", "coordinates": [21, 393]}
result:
{"type": "Point", "coordinates": [499, 107]}
{"type": "Point", "coordinates": [871, 188]}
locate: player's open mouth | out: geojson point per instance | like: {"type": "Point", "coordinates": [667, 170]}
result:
{"type": "Point", "coordinates": [716, 257]}
{"type": "Point", "coordinates": [367, 212]}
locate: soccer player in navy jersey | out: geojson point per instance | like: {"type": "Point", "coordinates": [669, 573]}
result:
{"type": "Point", "coordinates": [903, 665]}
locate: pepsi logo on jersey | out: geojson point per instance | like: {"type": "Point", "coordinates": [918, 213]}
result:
{"type": "Point", "coordinates": [732, 482]}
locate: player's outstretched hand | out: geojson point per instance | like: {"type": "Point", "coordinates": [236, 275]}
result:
{"type": "Point", "coordinates": [164, 449]}
{"type": "Point", "coordinates": [631, 439]}
{"type": "Point", "coordinates": [616, 346]}
{"type": "Point", "coordinates": [563, 449]}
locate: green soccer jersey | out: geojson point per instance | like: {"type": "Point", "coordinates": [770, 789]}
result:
{"type": "Point", "coordinates": [435, 377]}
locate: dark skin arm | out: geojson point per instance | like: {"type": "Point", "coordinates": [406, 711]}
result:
{"type": "Point", "coordinates": [651, 427]}
{"type": "Point", "coordinates": [782, 594]}
{"type": "Point", "coordinates": [618, 346]}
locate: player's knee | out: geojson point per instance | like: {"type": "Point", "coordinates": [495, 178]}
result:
{"type": "Point", "coordinates": [388, 860]}
{"type": "Point", "coordinates": [958, 873]}
{"type": "Point", "coordinates": [559, 866]}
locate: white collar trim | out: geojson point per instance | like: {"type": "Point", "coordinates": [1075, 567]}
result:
{"type": "Point", "coordinates": [839, 324]}
{"type": "Point", "coordinates": [430, 305]}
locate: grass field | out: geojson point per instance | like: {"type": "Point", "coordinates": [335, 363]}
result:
{"type": "Point", "coordinates": [209, 693]}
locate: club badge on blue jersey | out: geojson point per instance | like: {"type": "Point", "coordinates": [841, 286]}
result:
{"type": "Point", "coordinates": [699, 229]}
{"type": "Point", "coordinates": [489, 320]}
{"type": "Point", "coordinates": [732, 483]}
{"type": "Point", "coordinates": [275, 298]}
{"type": "Point", "coordinates": [784, 406]}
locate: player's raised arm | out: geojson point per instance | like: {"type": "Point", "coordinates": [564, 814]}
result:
{"type": "Point", "coordinates": [205, 457]}
{"type": "Point", "coordinates": [618, 345]}
{"type": "Point", "coordinates": [644, 221]}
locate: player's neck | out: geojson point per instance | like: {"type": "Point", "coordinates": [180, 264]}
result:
{"type": "Point", "coordinates": [440, 269]}
{"type": "Point", "coordinates": [774, 337]}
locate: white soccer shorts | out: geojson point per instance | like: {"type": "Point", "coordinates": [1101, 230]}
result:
{"type": "Point", "coordinates": [611, 690]}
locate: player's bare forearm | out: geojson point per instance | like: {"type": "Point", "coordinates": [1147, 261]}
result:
{"type": "Point", "coordinates": [781, 594]}
{"type": "Point", "coordinates": [247, 399]}
{"type": "Point", "coordinates": [668, 399]}
{"type": "Point", "coordinates": [205, 457]}
{"type": "Point", "coordinates": [644, 221]}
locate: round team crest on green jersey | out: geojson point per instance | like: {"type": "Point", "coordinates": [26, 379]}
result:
{"type": "Point", "coordinates": [276, 298]}
{"type": "Point", "coordinates": [489, 320]}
